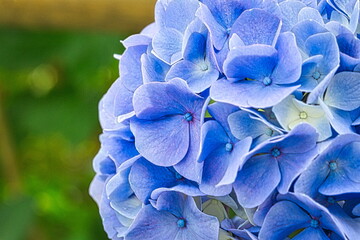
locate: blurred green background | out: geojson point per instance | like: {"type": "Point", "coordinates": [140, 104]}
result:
{"type": "Point", "coordinates": [51, 80]}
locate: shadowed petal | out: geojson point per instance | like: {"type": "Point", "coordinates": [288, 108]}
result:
{"type": "Point", "coordinates": [254, 62]}
{"type": "Point", "coordinates": [279, 224]}
{"type": "Point", "coordinates": [256, 180]}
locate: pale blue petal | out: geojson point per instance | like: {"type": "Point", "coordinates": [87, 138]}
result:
{"type": "Point", "coordinates": [309, 13]}
{"type": "Point", "coordinates": [346, 98]}
{"type": "Point", "coordinates": [288, 69]}
{"type": "Point", "coordinates": [289, 12]}
{"type": "Point", "coordinates": [167, 45]}
{"type": "Point", "coordinates": [257, 26]}
{"type": "Point", "coordinates": [179, 14]}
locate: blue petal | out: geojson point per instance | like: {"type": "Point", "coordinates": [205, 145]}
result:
{"type": "Point", "coordinates": [301, 139]}
{"type": "Point", "coordinates": [212, 137]}
{"type": "Point", "coordinates": [220, 164]}
{"type": "Point", "coordinates": [220, 112]}
{"type": "Point", "coordinates": [103, 164]}
{"type": "Point", "coordinates": [97, 188]}
{"type": "Point", "coordinates": [186, 187]}
{"type": "Point", "coordinates": [256, 180]}
{"type": "Point", "coordinates": [289, 12]}
{"type": "Point", "coordinates": [109, 218]}
{"type": "Point", "coordinates": [257, 26]}
{"type": "Point", "coordinates": [324, 44]}
{"type": "Point", "coordinates": [189, 167]}
{"type": "Point", "coordinates": [247, 93]}
{"type": "Point", "coordinates": [118, 148]}
{"type": "Point", "coordinates": [128, 208]}
{"type": "Point", "coordinates": [309, 13]}
{"type": "Point", "coordinates": [349, 58]}
{"type": "Point", "coordinates": [145, 177]}
{"type": "Point", "coordinates": [130, 67]}
{"type": "Point", "coordinates": [311, 233]}
{"type": "Point", "coordinates": [167, 45]}
{"type": "Point", "coordinates": [200, 226]}
{"type": "Point", "coordinates": [136, 40]}
{"type": "Point", "coordinates": [118, 187]}
{"type": "Point", "coordinates": [345, 98]}
{"type": "Point", "coordinates": [155, 100]}
{"type": "Point", "coordinates": [217, 32]}
{"type": "Point", "coordinates": [291, 166]}
{"type": "Point", "coordinates": [310, 180]}
{"type": "Point", "coordinates": [288, 69]}
{"type": "Point", "coordinates": [314, 210]}
{"type": "Point", "coordinates": [153, 69]}
{"type": "Point", "coordinates": [199, 76]}
{"type": "Point", "coordinates": [344, 179]}
{"type": "Point", "coordinates": [123, 101]}
{"type": "Point", "coordinates": [340, 120]}
{"type": "Point", "coordinates": [305, 29]}
{"type": "Point", "coordinates": [179, 14]}
{"type": "Point", "coordinates": [195, 48]}
{"type": "Point", "coordinates": [253, 62]}
{"type": "Point", "coordinates": [153, 225]}
{"type": "Point", "coordinates": [243, 125]}
{"type": "Point", "coordinates": [164, 142]}
{"type": "Point", "coordinates": [309, 67]}
{"type": "Point", "coordinates": [279, 224]}
{"type": "Point", "coordinates": [227, 12]}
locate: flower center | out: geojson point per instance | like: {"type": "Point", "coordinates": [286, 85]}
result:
{"type": "Point", "coordinates": [188, 117]}
{"type": "Point", "coordinates": [303, 115]}
{"type": "Point", "coordinates": [229, 147]}
{"type": "Point", "coordinates": [269, 132]}
{"type": "Point", "coordinates": [333, 165]}
{"type": "Point", "coordinates": [267, 81]}
{"type": "Point", "coordinates": [204, 67]}
{"type": "Point", "coordinates": [181, 223]}
{"type": "Point", "coordinates": [275, 152]}
{"type": "Point", "coordinates": [314, 223]}
{"type": "Point", "coordinates": [316, 75]}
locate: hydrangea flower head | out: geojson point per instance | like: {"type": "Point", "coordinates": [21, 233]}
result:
{"type": "Point", "coordinates": [234, 119]}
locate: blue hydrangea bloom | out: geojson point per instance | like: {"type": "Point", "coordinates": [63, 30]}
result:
{"type": "Point", "coordinates": [275, 164]}
{"type": "Point", "coordinates": [234, 119]}
{"type": "Point", "coordinates": [308, 220]}
{"type": "Point", "coordinates": [335, 170]}
{"type": "Point", "coordinates": [198, 68]}
{"type": "Point", "coordinates": [175, 217]}
{"type": "Point", "coordinates": [221, 152]}
{"type": "Point", "coordinates": [167, 125]}
{"type": "Point", "coordinates": [259, 75]}
{"type": "Point", "coordinates": [148, 181]}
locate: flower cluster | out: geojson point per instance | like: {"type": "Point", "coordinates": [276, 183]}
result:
{"type": "Point", "coordinates": [235, 119]}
